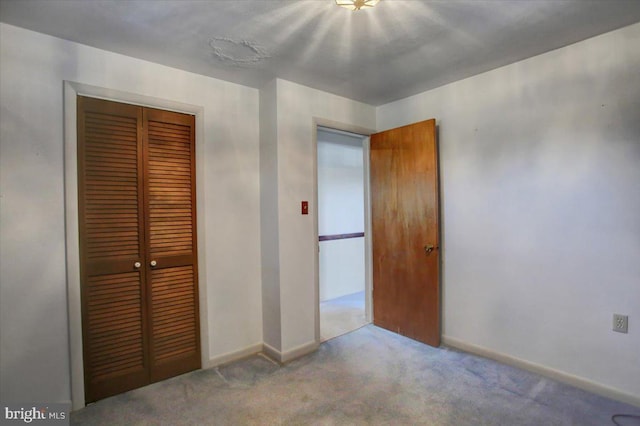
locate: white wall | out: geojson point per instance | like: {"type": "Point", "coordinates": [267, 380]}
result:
{"type": "Point", "coordinates": [340, 184]}
{"type": "Point", "coordinates": [299, 108]}
{"type": "Point", "coordinates": [34, 349]}
{"type": "Point", "coordinates": [340, 211]}
{"type": "Point", "coordinates": [269, 243]}
{"type": "Point", "coordinates": [341, 264]}
{"type": "Point", "coordinates": [540, 176]}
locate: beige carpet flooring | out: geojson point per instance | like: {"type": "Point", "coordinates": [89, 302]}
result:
{"type": "Point", "coordinates": [342, 315]}
{"type": "Point", "coordinates": [368, 377]}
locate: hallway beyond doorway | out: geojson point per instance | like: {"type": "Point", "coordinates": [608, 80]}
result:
{"type": "Point", "coordinates": [342, 315]}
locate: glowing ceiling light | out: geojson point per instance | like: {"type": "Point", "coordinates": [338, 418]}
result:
{"type": "Point", "coordinates": [356, 4]}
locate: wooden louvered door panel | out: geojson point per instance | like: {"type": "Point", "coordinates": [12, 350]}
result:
{"type": "Point", "coordinates": [138, 248]}
{"type": "Point", "coordinates": [111, 242]}
{"type": "Point", "coordinates": [170, 202]}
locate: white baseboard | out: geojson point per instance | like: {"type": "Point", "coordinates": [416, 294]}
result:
{"type": "Point", "coordinates": [271, 352]}
{"type": "Point", "coordinates": [292, 354]}
{"type": "Point", "coordinates": [233, 356]}
{"type": "Point", "coordinates": [299, 351]}
{"type": "Point", "coordinates": [570, 379]}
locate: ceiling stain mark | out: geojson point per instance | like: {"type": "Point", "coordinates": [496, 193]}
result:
{"type": "Point", "coordinates": [236, 52]}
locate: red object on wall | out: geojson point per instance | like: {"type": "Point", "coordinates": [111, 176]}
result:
{"type": "Point", "coordinates": [305, 207]}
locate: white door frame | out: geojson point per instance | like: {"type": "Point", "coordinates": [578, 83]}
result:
{"type": "Point", "coordinates": [368, 273]}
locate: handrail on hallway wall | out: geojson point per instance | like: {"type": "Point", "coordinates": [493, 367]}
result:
{"type": "Point", "coordinates": [340, 236]}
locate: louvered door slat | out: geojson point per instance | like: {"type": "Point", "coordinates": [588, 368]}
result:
{"type": "Point", "coordinates": [169, 188]}
{"type": "Point", "coordinates": [107, 137]}
{"type": "Point", "coordinates": [174, 335]}
{"type": "Point", "coordinates": [175, 343]}
{"type": "Point", "coordinates": [111, 230]}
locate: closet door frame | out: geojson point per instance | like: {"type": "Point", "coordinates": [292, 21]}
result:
{"type": "Point", "coordinates": [72, 247]}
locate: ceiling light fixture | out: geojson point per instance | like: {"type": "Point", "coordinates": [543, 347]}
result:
{"type": "Point", "coordinates": [356, 4]}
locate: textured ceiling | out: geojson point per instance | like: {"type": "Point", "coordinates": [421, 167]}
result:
{"type": "Point", "coordinates": [397, 49]}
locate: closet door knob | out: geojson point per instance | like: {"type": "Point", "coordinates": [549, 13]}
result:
{"type": "Point", "coordinates": [137, 265]}
{"type": "Point", "coordinates": [153, 263]}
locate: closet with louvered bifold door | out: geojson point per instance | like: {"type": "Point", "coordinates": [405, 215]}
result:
{"type": "Point", "coordinates": [137, 222]}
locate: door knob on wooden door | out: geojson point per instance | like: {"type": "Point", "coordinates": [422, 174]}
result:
{"type": "Point", "coordinates": [153, 263]}
{"type": "Point", "coordinates": [429, 248]}
{"type": "Point", "coordinates": [137, 265]}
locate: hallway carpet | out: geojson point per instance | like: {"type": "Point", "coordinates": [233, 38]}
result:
{"type": "Point", "coordinates": [368, 377]}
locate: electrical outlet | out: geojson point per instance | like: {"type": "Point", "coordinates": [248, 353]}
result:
{"type": "Point", "coordinates": [620, 323]}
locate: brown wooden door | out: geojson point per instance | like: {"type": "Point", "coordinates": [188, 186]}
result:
{"type": "Point", "coordinates": [171, 218]}
{"type": "Point", "coordinates": [404, 215]}
{"type": "Point", "coordinates": [114, 317]}
{"type": "Point", "coordinates": [136, 205]}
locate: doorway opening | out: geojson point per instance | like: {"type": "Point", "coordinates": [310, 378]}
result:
{"type": "Point", "coordinates": [344, 296]}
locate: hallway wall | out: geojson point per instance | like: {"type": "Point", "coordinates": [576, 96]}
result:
{"type": "Point", "coordinates": [340, 211]}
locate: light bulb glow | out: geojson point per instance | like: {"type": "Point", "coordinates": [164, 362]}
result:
{"type": "Point", "coordinates": [356, 4]}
